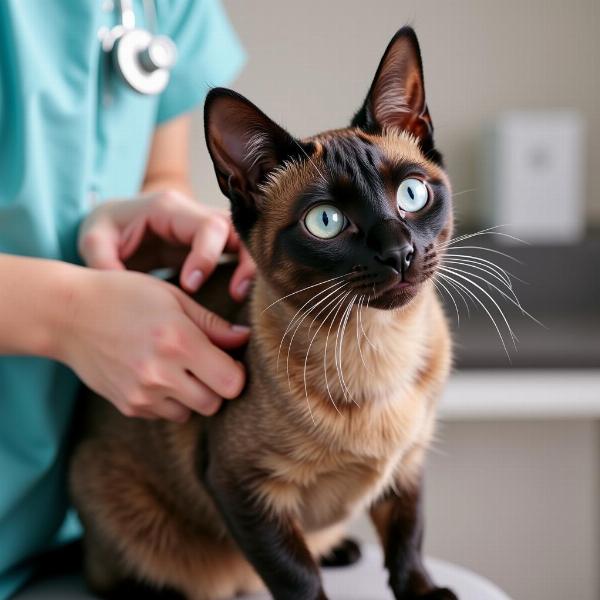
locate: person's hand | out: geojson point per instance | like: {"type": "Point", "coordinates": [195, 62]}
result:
{"type": "Point", "coordinates": [163, 229]}
{"type": "Point", "coordinates": [147, 347]}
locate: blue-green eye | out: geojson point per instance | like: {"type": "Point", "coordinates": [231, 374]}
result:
{"type": "Point", "coordinates": [412, 195]}
{"type": "Point", "coordinates": [324, 221]}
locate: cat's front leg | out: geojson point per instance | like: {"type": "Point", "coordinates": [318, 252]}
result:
{"type": "Point", "coordinates": [399, 521]}
{"type": "Point", "coordinates": [272, 543]}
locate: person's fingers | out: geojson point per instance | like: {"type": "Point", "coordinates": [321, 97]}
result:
{"type": "Point", "coordinates": [207, 246]}
{"type": "Point", "coordinates": [99, 247]}
{"type": "Point", "coordinates": [216, 369]}
{"type": "Point", "coordinates": [195, 395]}
{"type": "Point", "coordinates": [233, 241]}
{"type": "Point", "coordinates": [171, 410]}
{"type": "Point", "coordinates": [208, 363]}
{"type": "Point", "coordinates": [132, 237]}
{"type": "Point", "coordinates": [241, 280]}
{"type": "Point", "coordinates": [218, 330]}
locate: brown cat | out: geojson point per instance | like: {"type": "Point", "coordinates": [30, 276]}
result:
{"type": "Point", "coordinates": [349, 352]}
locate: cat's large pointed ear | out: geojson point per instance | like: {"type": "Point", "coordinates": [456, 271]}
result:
{"type": "Point", "coordinates": [396, 98]}
{"type": "Point", "coordinates": [245, 145]}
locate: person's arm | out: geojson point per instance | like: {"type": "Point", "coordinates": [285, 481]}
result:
{"type": "Point", "coordinates": [162, 361]}
{"type": "Point", "coordinates": [165, 359]}
{"type": "Point", "coordinates": [168, 166]}
{"type": "Point", "coordinates": [32, 294]}
{"type": "Point", "coordinates": [166, 211]}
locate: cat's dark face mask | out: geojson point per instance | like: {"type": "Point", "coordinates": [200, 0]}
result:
{"type": "Point", "coordinates": [366, 208]}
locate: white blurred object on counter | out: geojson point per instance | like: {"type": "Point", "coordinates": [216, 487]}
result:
{"type": "Point", "coordinates": [534, 175]}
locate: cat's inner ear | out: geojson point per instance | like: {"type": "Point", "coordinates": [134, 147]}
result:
{"type": "Point", "coordinates": [244, 144]}
{"type": "Point", "coordinates": [396, 98]}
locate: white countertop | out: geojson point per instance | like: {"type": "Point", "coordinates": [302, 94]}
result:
{"type": "Point", "coordinates": [522, 394]}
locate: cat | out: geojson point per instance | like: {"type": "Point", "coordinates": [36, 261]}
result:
{"type": "Point", "coordinates": [349, 351]}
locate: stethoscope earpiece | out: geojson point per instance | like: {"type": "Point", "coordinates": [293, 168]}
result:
{"type": "Point", "coordinates": [142, 59]}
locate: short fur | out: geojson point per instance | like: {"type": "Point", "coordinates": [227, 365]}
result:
{"type": "Point", "coordinates": [224, 505]}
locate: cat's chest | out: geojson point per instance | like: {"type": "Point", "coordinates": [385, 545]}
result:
{"type": "Point", "coordinates": [326, 483]}
{"type": "Point", "coordinates": [337, 495]}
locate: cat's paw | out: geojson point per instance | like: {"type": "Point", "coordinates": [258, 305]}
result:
{"type": "Point", "coordinates": [346, 553]}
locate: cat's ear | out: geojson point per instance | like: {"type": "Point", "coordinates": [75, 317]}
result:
{"type": "Point", "coordinates": [396, 98]}
{"type": "Point", "coordinates": [245, 145]}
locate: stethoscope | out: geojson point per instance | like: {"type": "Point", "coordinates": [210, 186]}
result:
{"type": "Point", "coordinates": [142, 58]}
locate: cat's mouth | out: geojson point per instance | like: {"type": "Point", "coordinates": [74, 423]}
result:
{"type": "Point", "coordinates": [395, 294]}
{"type": "Point", "coordinates": [402, 285]}
{"type": "Point", "coordinates": [388, 292]}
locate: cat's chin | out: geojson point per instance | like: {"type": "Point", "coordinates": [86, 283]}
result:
{"type": "Point", "coordinates": [396, 296]}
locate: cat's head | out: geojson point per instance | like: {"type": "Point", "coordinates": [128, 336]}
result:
{"type": "Point", "coordinates": [368, 206]}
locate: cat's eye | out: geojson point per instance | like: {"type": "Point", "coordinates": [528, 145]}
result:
{"type": "Point", "coordinates": [412, 195]}
{"type": "Point", "coordinates": [324, 221]}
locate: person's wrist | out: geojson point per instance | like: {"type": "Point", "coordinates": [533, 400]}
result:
{"type": "Point", "coordinates": [66, 303]}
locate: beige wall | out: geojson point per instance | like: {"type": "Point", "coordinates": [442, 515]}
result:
{"type": "Point", "coordinates": [310, 64]}
{"type": "Point", "coordinates": [517, 502]}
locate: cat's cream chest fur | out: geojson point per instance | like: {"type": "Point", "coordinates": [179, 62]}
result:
{"type": "Point", "coordinates": [335, 463]}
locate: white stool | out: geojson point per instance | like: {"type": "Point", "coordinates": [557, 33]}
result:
{"type": "Point", "coordinates": [364, 581]}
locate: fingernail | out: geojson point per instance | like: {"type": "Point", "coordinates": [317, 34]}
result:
{"type": "Point", "coordinates": [211, 407]}
{"type": "Point", "coordinates": [243, 287]}
{"type": "Point", "coordinates": [240, 328]}
{"type": "Point", "coordinates": [194, 280]}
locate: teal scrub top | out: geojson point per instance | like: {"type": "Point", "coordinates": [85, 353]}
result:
{"type": "Point", "coordinates": [71, 133]}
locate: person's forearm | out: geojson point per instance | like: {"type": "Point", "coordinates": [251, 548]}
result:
{"type": "Point", "coordinates": [169, 158]}
{"type": "Point", "coordinates": [35, 300]}
{"type": "Point", "coordinates": [169, 181]}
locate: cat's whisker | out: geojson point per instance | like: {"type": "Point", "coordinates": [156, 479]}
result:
{"type": "Point", "coordinates": [312, 323]}
{"type": "Point", "coordinates": [363, 329]}
{"type": "Point", "coordinates": [338, 302]}
{"type": "Point", "coordinates": [464, 277]}
{"type": "Point", "coordinates": [483, 269]}
{"type": "Point", "coordinates": [491, 266]}
{"type": "Point", "coordinates": [487, 266]}
{"type": "Point", "coordinates": [338, 285]}
{"type": "Point", "coordinates": [297, 322]}
{"type": "Point", "coordinates": [514, 300]}
{"type": "Point", "coordinates": [337, 358]}
{"type": "Point", "coordinates": [484, 261]}
{"type": "Point", "coordinates": [308, 287]}
{"type": "Point", "coordinates": [492, 250]}
{"type": "Point", "coordinates": [348, 314]}
{"type": "Point", "coordinates": [298, 327]}
{"type": "Point", "coordinates": [325, 365]}
{"type": "Point", "coordinates": [476, 298]}
{"type": "Point", "coordinates": [439, 283]}
{"type": "Point", "coordinates": [312, 299]}
{"type": "Point", "coordinates": [335, 353]}
{"type": "Point", "coordinates": [487, 231]}
{"type": "Point", "coordinates": [464, 236]}
{"type": "Point", "coordinates": [358, 340]}
{"type": "Point", "coordinates": [462, 296]}
{"type": "Point", "coordinates": [464, 192]}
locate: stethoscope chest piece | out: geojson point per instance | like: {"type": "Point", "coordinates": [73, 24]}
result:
{"type": "Point", "coordinates": [144, 60]}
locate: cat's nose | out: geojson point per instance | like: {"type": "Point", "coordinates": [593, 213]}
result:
{"type": "Point", "coordinates": [398, 258]}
